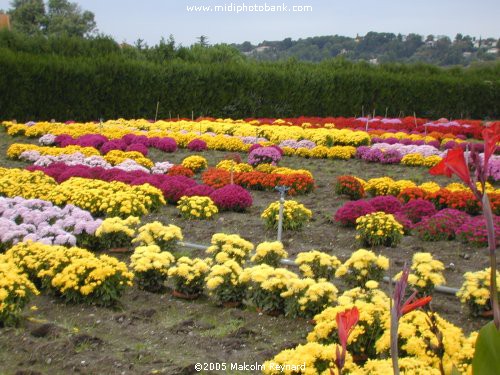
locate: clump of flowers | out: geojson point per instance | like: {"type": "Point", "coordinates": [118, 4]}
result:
{"type": "Point", "coordinates": [474, 232]}
{"type": "Point", "coordinates": [362, 266]}
{"type": "Point", "coordinates": [426, 273]}
{"type": "Point", "coordinates": [441, 226]}
{"type": "Point", "coordinates": [197, 208]}
{"type": "Point", "coordinates": [475, 291]}
{"type": "Point", "coordinates": [269, 253]}
{"type": "Point", "coordinates": [417, 209]}
{"type": "Point", "coordinates": [93, 280]}
{"type": "Point", "coordinates": [413, 193]}
{"type": "Point", "coordinates": [463, 359]}
{"type": "Point", "coordinates": [175, 186]}
{"type": "Point", "coordinates": [363, 336]}
{"type": "Point", "coordinates": [229, 246]}
{"type": "Point", "coordinates": [197, 145]}
{"type": "Point", "coordinates": [150, 266]}
{"type": "Point", "coordinates": [379, 228]}
{"type": "Point", "coordinates": [407, 365]}
{"type": "Point", "coordinates": [417, 340]}
{"type": "Point", "coordinates": [115, 232]}
{"type": "Point", "coordinates": [236, 167]}
{"type": "Point", "coordinates": [369, 293]}
{"type": "Point", "coordinates": [295, 215]}
{"type": "Point", "coordinates": [161, 167]}
{"type": "Point", "coordinates": [386, 203]}
{"type": "Point", "coordinates": [350, 186]}
{"type": "Point", "coordinates": [317, 264]}
{"type": "Point", "coordinates": [180, 170]}
{"type": "Point", "coordinates": [223, 282]}
{"type": "Point", "coordinates": [306, 297]}
{"type": "Point", "coordinates": [264, 155]}
{"type": "Point", "coordinates": [199, 190]}
{"type": "Point", "coordinates": [266, 284]}
{"type": "Point", "coordinates": [15, 291]}
{"type": "Point", "coordinates": [351, 211]}
{"type": "Point", "coordinates": [156, 233]}
{"type": "Point", "coordinates": [232, 198]}
{"type": "Point", "coordinates": [195, 162]}
{"type": "Point", "coordinates": [166, 144]}
{"type": "Point", "coordinates": [74, 274]}
{"type": "Point", "coordinates": [313, 358]}
{"type": "Point", "coordinates": [188, 275]}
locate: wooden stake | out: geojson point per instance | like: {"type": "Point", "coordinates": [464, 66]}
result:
{"type": "Point", "coordinates": [386, 109]}
{"type": "Point", "coordinates": [157, 106]}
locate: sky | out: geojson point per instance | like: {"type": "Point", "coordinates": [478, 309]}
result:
{"type": "Point", "coordinates": [130, 20]}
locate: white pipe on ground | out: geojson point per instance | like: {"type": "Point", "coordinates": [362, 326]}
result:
{"type": "Point", "coordinates": [290, 262]}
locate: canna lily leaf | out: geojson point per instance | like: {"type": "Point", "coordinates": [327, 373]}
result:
{"type": "Point", "coordinates": [486, 359]}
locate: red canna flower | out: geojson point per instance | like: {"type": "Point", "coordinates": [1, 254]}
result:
{"type": "Point", "coordinates": [491, 136]}
{"type": "Point", "coordinates": [453, 163]}
{"type": "Point", "coordinates": [411, 305]}
{"type": "Point", "coordinates": [346, 321]}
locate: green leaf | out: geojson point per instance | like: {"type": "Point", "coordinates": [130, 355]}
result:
{"type": "Point", "coordinates": [486, 359]}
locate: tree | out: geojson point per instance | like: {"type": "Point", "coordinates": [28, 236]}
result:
{"type": "Point", "coordinates": [140, 45]}
{"type": "Point", "coordinates": [28, 16]}
{"type": "Point", "coordinates": [61, 17]}
{"type": "Point", "coordinates": [203, 40]}
{"type": "Point", "coordinates": [246, 47]}
{"type": "Point", "coordinates": [68, 18]}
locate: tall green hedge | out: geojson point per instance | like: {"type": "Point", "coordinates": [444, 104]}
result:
{"type": "Point", "coordinates": [36, 87]}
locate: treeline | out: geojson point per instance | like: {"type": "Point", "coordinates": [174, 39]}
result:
{"type": "Point", "coordinates": [91, 79]}
{"type": "Point", "coordinates": [380, 48]}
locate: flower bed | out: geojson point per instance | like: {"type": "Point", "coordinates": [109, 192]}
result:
{"type": "Point", "coordinates": [40, 221]}
{"type": "Point", "coordinates": [77, 275]}
{"type": "Point", "coordinates": [298, 183]}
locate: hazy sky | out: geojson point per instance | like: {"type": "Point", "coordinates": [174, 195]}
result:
{"type": "Point", "coordinates": [129, 20]}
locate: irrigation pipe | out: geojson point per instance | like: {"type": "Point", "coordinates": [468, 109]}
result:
{"type": "Point", "coordinates": [291, 262]}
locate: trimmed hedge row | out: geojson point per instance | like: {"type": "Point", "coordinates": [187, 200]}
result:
{"type": "Point", "coordinates": [36, 87]}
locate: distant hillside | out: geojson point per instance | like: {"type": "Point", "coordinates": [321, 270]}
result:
{"type": "Point", "coordinates": [379, 48]}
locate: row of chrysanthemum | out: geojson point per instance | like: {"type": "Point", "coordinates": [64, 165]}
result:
{"type": "Point", "coordinates": [79, 276]}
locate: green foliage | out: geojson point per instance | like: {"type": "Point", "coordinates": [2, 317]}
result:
{"type": "Point", "coordinates": [487, 354]}
{"type": "Point", "coordinates": [86, 79]}
{"type": "Point", "coordinates": [28, 16]}
{"type": "Point", "coordinates": [384, 47]}
{"type": "Point", "coordinates": [65, 18]}
{"type": "Point", "coordinates": [60, 17]}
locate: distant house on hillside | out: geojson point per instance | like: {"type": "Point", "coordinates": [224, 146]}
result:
{"type": "Point", "coordinates": [4, 21]}
{"type": "Point", "coordinates": [257, 50]}
{"type": "Point", "coordinates": [492, 51]}
{"type": "Point", "coordinates": [261, 49]}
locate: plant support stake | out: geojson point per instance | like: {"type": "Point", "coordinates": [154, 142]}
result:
{"type": "Point", "coordinates": [157, 106]}
{"type": "Point", "coordinates": [282, 190]}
